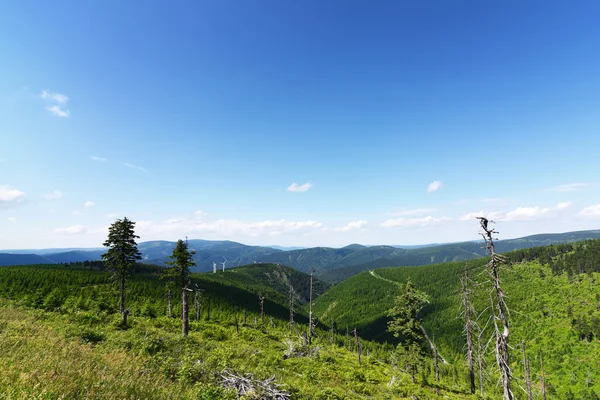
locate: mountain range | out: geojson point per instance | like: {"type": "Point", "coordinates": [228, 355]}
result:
{"type": "Point", "coordinates": [331, 264]}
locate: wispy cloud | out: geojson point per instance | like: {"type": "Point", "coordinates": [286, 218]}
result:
{"type": "Point", "coordinates": [11, 219]}
{"type": "Point", "coordinates": [571, 187]}
{"type": "Point", "coordinates": [520, 214]}
{"type": "Point", "coordinates": [592, 211]}
{"type": "Point", "coordinates": [112, 216]}
{"type": "Point", "coordinates": [57, 97]}
{"type": "Point", "coordinates": [227, 227]}
{"type": "Point", "coordinates": [128, 165]}
{"type": "Point", "coordinates": [354, 225]}
{"type": "Point", "coordinates": [89, 204]}
{"type": "Point", "coordinates": [491, 215]}
{"type": "Point", "coordinates": [294, 187]}
{"type": "Point", "coordinates": [421, 222]}
{"type": "Point", "coordinates": [10, 196]}
{"type": "Point", "coordinates": [413, 211]}
{"type": "Point", "coordinates": [55, 195]}
{"type": "Point", "coordinates": [71, 230]}
{"type": "Point", "coordinates": [434, 186]}
{"type": "Point", "coordinates": [99, 159]}
{"type": "Point", "coordinates": [58, 111]}
{"type": "Point", "coordinates": [57, 101]}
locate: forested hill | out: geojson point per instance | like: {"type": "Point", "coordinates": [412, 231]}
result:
{"type": "Point", "coordinates": [554, 299]}
{"type": "Point", "coordinates": [331, 264]}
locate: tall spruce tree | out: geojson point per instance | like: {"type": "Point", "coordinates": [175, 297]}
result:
{"type": "Point", "coordinates": [121, 255]}
{"type": "Point", "coordinates": [179, 269]}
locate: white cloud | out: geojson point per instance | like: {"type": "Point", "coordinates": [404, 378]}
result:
{"type": "Point", "coordinates": [53, 96]}
{"type": "Point", "coordinates": [10, 196]}
{"type": "Point", "coordinates": [77, 213]}
{"type": "Point", "coordinates": [128, 165]}
{"type": "Point", "coordinates": [564, 205]}
{"type": "Point", "coordinates": [434, 186]}
{"type": "Point", "coordinates": [55, 195]}
{"type": "Point", "coordinates": [99, 159]}
{"type": "Point", "coordinates": [57, 103]}
{"type": "Point", "coordinates": [89, 204]}
{"type": "Point", "coordinates": [519, 214]}
{"type": "Point", "coordinates": [492, 216]}
{"type": "Point", "coordinates": [351, 226]}
{"type": "Point", "coordinates": [58, 111]}
{"type": "Point", "coordinates": [294, 187]}
{"type": "Point", "coordinates": [592, 211]}
{"type": "Point", "coordinates": [227, 227]}
{"type": "Point", "coordinates": [11, 219]}
{"type": "Point", "coordinates": [421, 222]}
{"type": "Point", "coordinates": [199, 214]}
{"type": "Point", "coordinates": [71, 230]}
{"type": "Point", "coordinates": [527, 213]}
{"type": "Point", "coordinates": [112, 216]}
{"type": "Point", "coordinates": [414, 211]}
{"type": "Point", "coordinates": [571, 187]}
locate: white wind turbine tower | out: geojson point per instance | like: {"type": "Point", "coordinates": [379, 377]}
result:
{"type": "Point", "coordinates": [223, 263]}
{"type": "Point", "coordinates": [214, 267]}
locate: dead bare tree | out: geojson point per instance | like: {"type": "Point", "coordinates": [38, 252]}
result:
{"type": "Point", "coordinates": [527, 373]}
{"type": "Point", "coordinates": [357, 344]}
{"type": "Point", "coordinates": [197, 301]}
{"type": "Point", "coordinates": [262, 308]}
{"type": "Point", "coordinates": [244, 316]}
{"type": "Point", "coordinates": [469, 315]}
{"type": "Point", "coordinates": [500, 310]}
{"type": "Point", "coordinates": [169, 303]}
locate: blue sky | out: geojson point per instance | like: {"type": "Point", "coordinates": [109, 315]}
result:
{"type": "Point", "coordinates": [297, 123]}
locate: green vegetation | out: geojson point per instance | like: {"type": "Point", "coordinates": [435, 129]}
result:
{"type": "Point", "coordinates": [61, 336]}
{"type": "Point", "coordinates": [553, 295]}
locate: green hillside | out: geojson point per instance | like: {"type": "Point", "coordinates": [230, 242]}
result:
{"type": "Point", "coordinates": [553, 293]}
{"type": "Point", "coordinates": [61, 337]}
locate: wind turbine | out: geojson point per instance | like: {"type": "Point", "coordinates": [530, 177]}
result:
{"type": "Point", "coordinates": [223, 263]}
{"type": "Point", "coordinates": [214, 267]}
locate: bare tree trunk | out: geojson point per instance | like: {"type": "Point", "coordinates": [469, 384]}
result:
{"type": "Point", "coordinates": [185, 323]}
{"type": "Point", "coordinates": [197, 306]}
{"type": "Point", "coordinates": [169, 304]}
{"type": "Point", "coordinates": [262, 309]}
{"type": "Point", "coordinates": [244, 316]}
{"type": "Point", "coordinates": [469, 314]}
{"type": "Point", "coordinates": [543, 376]}
{"type": "Point", "coordinates": [527, 373]}
{"type": "Point", "coordinates": [500, 311]}
{"type": "Point", "coordinates": [237, 327]}
{"type": "Point", "coordinates": [122, 305]}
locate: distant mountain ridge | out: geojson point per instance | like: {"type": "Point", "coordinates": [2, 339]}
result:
{"type": "Point", "coordinates": [331, 264]}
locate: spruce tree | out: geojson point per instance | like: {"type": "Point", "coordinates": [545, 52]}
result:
{"type": "Point", "coordinates": [179, 269]}
{"type": "Point", "coordinates": [121, 255]}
